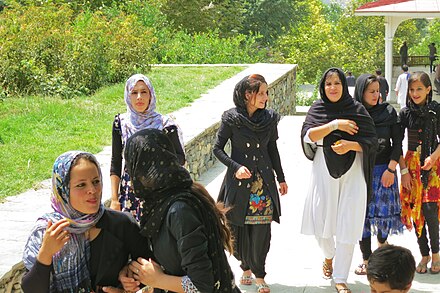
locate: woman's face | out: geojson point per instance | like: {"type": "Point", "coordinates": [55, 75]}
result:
{"type": "Point", "coordinates": [140, 96]}
{"type": "Point", "coordinates": [85, 187]}
{"type": "Point", "coordinates": [257, 100]}
{"type": "Point", "coordinates": [418, 92]}
{"type": "Point", "coordinates": [333, 88]}
{"type": "Point", "coordinates": [371, 94]}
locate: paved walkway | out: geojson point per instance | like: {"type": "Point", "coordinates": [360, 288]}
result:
{"type": "Point", "coordinates": [294, 261]}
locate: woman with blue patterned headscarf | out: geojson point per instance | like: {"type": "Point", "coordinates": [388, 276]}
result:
{"type": "Point", "coordinates": [80, 246]}
{"type": "Point", "coordinates": [140, 99]}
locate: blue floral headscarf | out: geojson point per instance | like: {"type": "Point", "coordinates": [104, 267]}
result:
{"type": "Point", "coordinates": [70, 264]}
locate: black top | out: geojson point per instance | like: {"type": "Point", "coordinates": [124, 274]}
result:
{"type": "Point", "coordinates": [384, 88]}
{"type": "Point", "coordinates": [118, 240]}
{"type": "Point", "coordinates": [118, 145]}
{"type": "Point", "coordinates": [186, 250]}
{"type": "Point", "coordinates": [257, 151]}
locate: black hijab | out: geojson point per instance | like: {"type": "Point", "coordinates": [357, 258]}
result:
{"type": "Point", "coordinates": [262, 120]}
{"type": "Point", "coordinates": [423, 117]}
{"type": "Point", "coordinates": [383, 114]}
{"type": "Point", "coordinates": [159, 180]}
{"type": "Point", "coordinates": [324, 111]}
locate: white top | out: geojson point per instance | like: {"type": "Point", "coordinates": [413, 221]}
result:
{"type": "Point", "coordinates": [335, 207]}
{"type": "Point", "coordinates": [402, 89]}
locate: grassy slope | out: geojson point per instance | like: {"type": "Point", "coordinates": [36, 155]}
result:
{"type": "Point", "coordinates": [35, 130]}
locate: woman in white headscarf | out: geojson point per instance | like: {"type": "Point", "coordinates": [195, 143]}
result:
{"type": "Point", "coordinates": [141, 113]}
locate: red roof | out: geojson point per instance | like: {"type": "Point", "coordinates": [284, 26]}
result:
{"type": "Point", "coordinates": [379, 3]}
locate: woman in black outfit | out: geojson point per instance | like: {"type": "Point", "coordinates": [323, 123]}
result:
{"type": "Point", "coordinates": [383, 210]}
{"type": "Point", "coordinates": [80, 246]}
{"type": "Point", "coordinates": [249, 186]}
{"type": "Point", "coordinates": [185, 229]}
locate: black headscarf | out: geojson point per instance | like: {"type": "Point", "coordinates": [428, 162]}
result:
{"type": "Point", "coordinates": [383, 114]}
{"type": "Point", "coordinates": [423, 117]}
{"type": "Point", "coordinates": [160, 180]}
{"type": "Point", "coordinates": [324, 111]}
{"type": "Point", "coordinates": [261, 120]}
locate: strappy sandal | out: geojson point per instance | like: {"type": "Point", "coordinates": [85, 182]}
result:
{"type": "Point", "coordinates": [361, 269]}
{"type": "Point", "coordinates": [422, 267]}
{"type": "Point", "coordinates": [263, 288]}
{"type": "Point", "coordinates": [246, 280]}
{"type": "Point", "coordinates": [344, 289]}
{"type": "Point", "coordinates": [435, 264]}
{"type": "Point", "coordinates": [327, 270]}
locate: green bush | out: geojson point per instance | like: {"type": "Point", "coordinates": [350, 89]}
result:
{"type": "Point", "coordinates": [202, 48]}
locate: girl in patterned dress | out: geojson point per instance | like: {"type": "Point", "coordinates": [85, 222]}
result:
{"type": "Point", "coordinates": [420, 190]}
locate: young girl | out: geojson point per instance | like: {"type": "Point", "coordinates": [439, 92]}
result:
{"type": "Point", "coordinates": [249, 186]}
{"type": "Point", "coordinates": [383, 211]}
{"type": "Point", "coordinates": [420, 192]}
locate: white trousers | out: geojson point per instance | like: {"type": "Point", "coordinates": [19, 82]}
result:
{"type": "Point", "coordinates": [342, 255]}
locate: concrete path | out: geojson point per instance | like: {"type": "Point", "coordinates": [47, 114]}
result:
{"type": "Point", "coordinates": [294, 260]}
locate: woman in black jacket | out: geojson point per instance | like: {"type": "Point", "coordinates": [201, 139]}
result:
{"type": "Point", "coordinates": [249, 185]}
{"type": "Point", "coordinates": [185, 229]}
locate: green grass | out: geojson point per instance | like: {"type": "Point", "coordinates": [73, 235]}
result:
{"type": "Point", "coordinates": [35, 130]}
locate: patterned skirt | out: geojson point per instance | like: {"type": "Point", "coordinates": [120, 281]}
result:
{"type": "Point", "coordinates": [412, 199]}
{"type": "Point", "coordinates": [383, 212]}
{"type": "Point", "coordinates": [129, 202]}
{"type": "Point", "coordinates": [260, 208]}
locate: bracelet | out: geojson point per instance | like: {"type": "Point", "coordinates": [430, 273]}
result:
{"type": "Point", "coordinates": [333, 125]}
{"type": "Point", "coordinates": [404, 171]}
{"type": "Point", "coordinates": [391, 171]}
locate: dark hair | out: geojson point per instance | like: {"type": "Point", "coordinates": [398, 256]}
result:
{"type": "Point", "coordinates": [405, 67]}
{"type": "Point", "coordinates": [249, 84]}
{"type": "Point", "coordinates": [220, 211]}
{"type": "Point", "coordinates": [423, 77]}
{"type": "Point", "coordinates": [391, 264]}
{"type": "Point", "coordinates": [378, 71]}
{"type": "Point", "coordinates": [86, 156]}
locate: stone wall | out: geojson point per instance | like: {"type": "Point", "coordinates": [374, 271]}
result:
{"type": "Point", "coordinates": [282, 93]}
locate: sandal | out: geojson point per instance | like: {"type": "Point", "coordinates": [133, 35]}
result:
{"type": "Point", "coordinates": [422, 267]}
{"type": "Point", "coordinates": [246, 280]}
{"type": "Point", "coordinates": [263, 288]}
{"type": "Point", "coordinates": [327, 270]}
{"type": "Point", "coordinates": [437, 265]}
{"type": "Point", "coordinates": [361, 269]}
{"type": "Point", "coordinates": [343, 289]}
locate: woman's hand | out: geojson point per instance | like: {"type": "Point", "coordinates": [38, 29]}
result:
{"type": "Point", "coordinates": [243, 173]}
{"type": "Point", "coordinates": [54, 238]}
{"type": "Point", "coordinates": [146, 271]}
{"type": "Point", "coordinates": [283, 188]}
{"type": "Point", "coordinates": [429, 162]}
{"type": "Point", "coordinates": [127, 280]}
{"type": "Point", "coordinates": [348, 126]}
{"type": "Point", "coordinates": [387, 179]}
{"type": "Point", "coordinates": [342, 146]}
{"type": "Point", "coordinates": [406, 181]}
{"type": "Point", "coordinates": [115, 205]}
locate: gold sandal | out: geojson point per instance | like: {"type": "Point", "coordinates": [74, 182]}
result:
{"type": "Point", "coordinates": [327, 269]}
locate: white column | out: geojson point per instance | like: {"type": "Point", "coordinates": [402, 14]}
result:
{"type": "Point", "coordinates": [389, 57]}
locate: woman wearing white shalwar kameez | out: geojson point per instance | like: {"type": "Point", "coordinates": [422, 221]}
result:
{"type": "Point", "coordinates": [339, 136]}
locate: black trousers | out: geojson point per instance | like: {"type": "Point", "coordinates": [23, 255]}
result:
{"type": "Point", "coordinates": [430, 212]}
{"type": "Point", "coordinates": [252, 243]}
{"type": "Point", "coordinates": [365, 245]}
